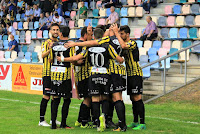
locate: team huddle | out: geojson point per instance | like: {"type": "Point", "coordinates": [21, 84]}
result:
{"type": "Point", "coordinates": [100, 77]}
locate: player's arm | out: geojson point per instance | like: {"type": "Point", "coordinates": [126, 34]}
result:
{"type": "Point", "coordinates": [45, 50]}
{"type": "Point", "coordinates": [114, 55]}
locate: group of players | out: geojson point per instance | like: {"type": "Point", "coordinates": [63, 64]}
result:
{"type": "Point", "coordinates": [100, 74]}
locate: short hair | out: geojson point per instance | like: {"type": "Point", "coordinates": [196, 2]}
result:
{"type": "Point", "coordinates": [98, 33]}
{"type": "Point", "coordinates": [103, 27]}
{"type": "Point", "coordinates": [56, 14]}
{"type": "Point", "coordinates": [149, 17]}
{"type": "Point", "coordinates": [54, 24]}
{"type": "Point", "coordinates": [65, 31]}
{"type": "Point", "coordinates": [83, 31]}
{"type": "Point", "coordinates": [125, 28]}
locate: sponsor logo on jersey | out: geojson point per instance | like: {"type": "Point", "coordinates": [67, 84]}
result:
{"type": "Point", "coordinates": [97, 49]}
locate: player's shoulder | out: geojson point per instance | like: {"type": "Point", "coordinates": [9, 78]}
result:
{"type": "Point", "coordinates": [132, 42]}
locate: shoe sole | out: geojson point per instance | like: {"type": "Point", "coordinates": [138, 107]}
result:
{"type": "Point", "coordinates": [102, 123]}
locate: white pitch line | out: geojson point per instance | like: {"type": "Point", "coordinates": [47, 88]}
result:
{"type": "Point", "coordinates": [162, 118]}
{"type": "Point", "coordinates": [169, 119]}
{"type": "Point", "coordinates": [37, 103]}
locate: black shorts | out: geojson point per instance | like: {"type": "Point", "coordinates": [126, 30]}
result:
{"type": "Point", "coordinates": [83, 90]}
{"type": "Point", "coordinates": [118, 83]}
{"type": "Point", "coordinates": [99, 84]}
{"type": "Point", "coordinates": [46, 84]}
{"type": "Point", "coordinates": [62, 88]}
{"type": "Point", "coordinates": [134, 85]}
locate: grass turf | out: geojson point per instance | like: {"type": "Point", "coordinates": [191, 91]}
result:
{"type": "Point", "coordinates": [23, 116]}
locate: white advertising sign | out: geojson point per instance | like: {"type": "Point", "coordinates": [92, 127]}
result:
{"type": "Point", "coordinates": [36, 84]}
{"type": "Point", "coordinates": [5, 76]}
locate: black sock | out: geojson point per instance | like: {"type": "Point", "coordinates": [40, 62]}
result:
{"type": "Point", "coordinates": [120, 109]}
{"type": "Point", "coordinates": [135, 113]}
{"type": "Point", "coordinates": [65, 111]}
{"type": "Point", "coordinates": [80, 113]}
{"type": "Point", "coordinates": [51, 104]}
{"type": "Point", "coordinates": [105, 108]}
{"type": "Point", "coordinates": [43, 107]}
{"type": "Point", "coordinates": [55, 105]}
{"type": "Point", "coordinates": [92, 113]}
{"type": "Point", "coordinates": [96, 112]}
{"type": "Point", "coordinates": [86, 111]}
{"type": "Point", "coordinates": [141, 111]}
{"type": "Point", "coordinates": [111, 110]}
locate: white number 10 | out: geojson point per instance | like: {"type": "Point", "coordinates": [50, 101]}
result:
{"type": "Point", "coordinates": [94, 59]}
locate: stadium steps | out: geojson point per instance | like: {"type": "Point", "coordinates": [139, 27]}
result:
{"type": "Point", "coordinates": [154, 86]}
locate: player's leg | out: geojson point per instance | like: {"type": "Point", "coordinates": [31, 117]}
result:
{"type": "Point", "coordinates": [65, 111]}
{"type": "Point", "coordinates": [96, 110]}
{"type": "Point", "coordinates": [120, 109]}
{"type": "Point", "coordinates": [54, 111]}
{"type": "Point", "coordinates": [140, 110]}
{"type": "Point", "coordinates": [109, 122]}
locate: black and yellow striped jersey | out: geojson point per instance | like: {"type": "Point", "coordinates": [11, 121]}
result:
{"type": "Point", "coordinates": [114, 66]}
{"type": "Point", "coordinates": [46, 63]}
{"type": "Point", "coordinates": [81, 71]}
{"type": "Point", "coordinates": [132, 60]}
{"type": "Point", "coordinates": [60, 71]}
{"type": "Point", "coordinates": [99, 58]}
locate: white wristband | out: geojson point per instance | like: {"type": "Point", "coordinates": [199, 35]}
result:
{"type": "Point", "coordinates": [62, 58]}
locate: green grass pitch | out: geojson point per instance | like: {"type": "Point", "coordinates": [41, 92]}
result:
{"type": "Point", "coordinates": [19, 114]}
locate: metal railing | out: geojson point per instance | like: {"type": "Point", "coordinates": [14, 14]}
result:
{"type": "Point", "coordinates": [168, 56]}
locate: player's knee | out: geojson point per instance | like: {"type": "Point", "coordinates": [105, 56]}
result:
{"type": "Point", "coordinates": [46, 97]}
{"type": "Point", "coordinates": [136, 97]}
{"type": "Point", "coordinates": [95, 98]}
{"type": "Point", "coordinates": [116, 97]}
{"type": "Point", "coordinates": [87, 101]}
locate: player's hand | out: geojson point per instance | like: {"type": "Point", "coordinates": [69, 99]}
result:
{"type": "Point", "coordinates": [58, 58]}
{"type": "Point", "coordinates": [115, 28]}
{"type": "Point", "coordinates": [69, 44]}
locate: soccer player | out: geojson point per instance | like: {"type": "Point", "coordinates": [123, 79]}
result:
{"type": "Point", "coordinates": [82, 74]}
{"type": "Point", "coordinates": [61, 77]}
{"type": "Point", "coordinates": [134, 75]}
{"type": "Point", "coordinates": [99, 80]}
{"type": "Point", "coordinates": [46, 76]}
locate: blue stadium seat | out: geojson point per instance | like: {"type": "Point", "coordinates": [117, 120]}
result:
{"type": "Point", "coordinates": [146, 71]}
{"type": "Point", "coordinates": [5, 44]}
{"type": "Point", "coordinates": [124, 21]}
{"type": "Point", "coordinates": [193, 33]}
{"type": "Point", "coordinates": [22, 16]}
{"type": "Point", "coordinates": [30, 25]}
{"type": "Point", "coordinates": [189, 20]}
{"type": "Point", "coordinates": [196, 49]}
{"type": "Point", "coordinates": [173, 50]}
{"type": "Point", "coordinates": [144, 59]}
{"type": "Point", "coordinates": [87, 21]}
{"type": "Point", "coordinates": [173, 33]}
{"type": "Point", "coordinates": [186, 43]}
{"type": "Point", "coordinates": [157, 45]}
{"type": "Point", "coordinates": [17, 38]}
{"type": "Point", "coordinates": [195, 8]}
{"type": "Point", "coordinates": [183, 33]}
{"type": "Point", "coordinates": [108, 12]}
{"type": "Point", "coordinates": [177, 9]}
{"type": "Point", "coordinates": [95, 13]}
{"type": "Point", "coordinates": [154, 58]}
{"type": "Point", "coordinates": [22, 33]}
{"type": "Point", "coordinates": [28, 56]}
{"type": "Point", "coordinates": [45, 34]}
{"type": "Point", "coordinates": [167, 64]}
{"type": "Point", "coordinates": [139, 43]}
{"type": "Point", "coordinates": [92, 5]}
{"type": "Point", "coordinates": [152, 51]}
{"type": "Point", "coordinates": [162, 21]}
{"type": "Point", "coordinates": [78, 33]}
{"type": "Point", "coordinates": [94, 22]}
{"type": "Point", "coordinates": [18, 17]}
{"type": "Point", "coordinates": [1, 44]}
{"type": "Point", "coordinates": [20, 57]}
{"type": "Point", "coordinates": [5, 37]}
{"type": "Point", "coordinates": [124, 2]}
{"type": "Point", "coordinates": [118, 11]}
{"type": "Point", "coordinates": [124, 11]}
{"type": "Point", "coordinates": [183, 1]}
{"type": "Point", "coordinates": [36, 24]}
{"type": "Point", "coordinates": [20, 25]}
{"type": "Point", "coordinates": [33, 34]}
{"type": "Point", "coordinates": [67, 13]}
{"type": "Point", "coordinates": [7, 54]}
{"type": "Point", "coordinates": [86, 4]}
{"type": "Point", "coordinates": [0, 37]}
{"type": "Point", "coordinates": [34, 57]}
{"type": "Point", "coordinates": [31, 48]}
{"type": "Point", "coordinates": [24, 48]}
